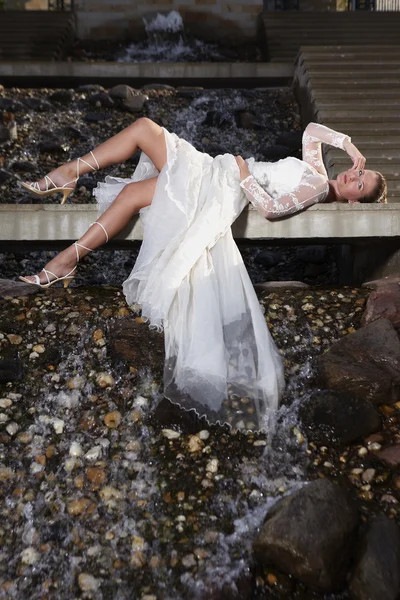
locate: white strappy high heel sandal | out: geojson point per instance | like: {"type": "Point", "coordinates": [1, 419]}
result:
{"type": "Point", "coordinates": [66, 279]}
{"type": "Point", "coordinates": [52, 188]}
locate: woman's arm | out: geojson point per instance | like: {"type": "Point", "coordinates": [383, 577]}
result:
{"type": "Point", "coordinates": [311, 190]}
{"type": "Point", "coordinates": [315, 134]}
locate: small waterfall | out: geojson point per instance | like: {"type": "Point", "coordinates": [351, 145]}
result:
{"type": "Point", "coordinates": [168, 41]}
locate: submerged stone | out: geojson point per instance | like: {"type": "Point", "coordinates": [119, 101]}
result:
{"type": "Point", "coordinates": [310, 535]}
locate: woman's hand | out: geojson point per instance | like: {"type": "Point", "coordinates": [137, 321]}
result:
{"type": "Point", "coordinates": [244, 169]}
{"type": "Point", "coordinates": [358, 159]}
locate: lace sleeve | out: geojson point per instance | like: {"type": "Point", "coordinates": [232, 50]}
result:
{"type": "Point", "coordinates": [312, 189]}
{"type": "Point", "coordinates": [313, 136]}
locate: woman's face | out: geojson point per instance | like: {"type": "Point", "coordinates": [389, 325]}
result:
{"type": "Point", "coordinates": [354, 184]}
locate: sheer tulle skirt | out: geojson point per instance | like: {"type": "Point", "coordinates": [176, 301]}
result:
{"type": "Point", "coordinates": [190, 281]}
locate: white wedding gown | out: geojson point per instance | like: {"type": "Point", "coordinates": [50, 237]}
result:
{"type": "Point", "coordinates": [190, 279]}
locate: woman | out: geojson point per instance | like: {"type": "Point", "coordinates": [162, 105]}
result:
{"type": "Point", "coordinates": [189, 277]}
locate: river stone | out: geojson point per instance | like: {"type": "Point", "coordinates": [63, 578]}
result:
{"type": "Point", "coordinates": [390, 455]}
{"type": "Point", "coordinates": [365, 364]}
{"type": "Point", "coordinates": [337, 418]}
{"type": "Point", "coordinates": [64, 97]}
{"type": "Point", "coordinates": [384, 303]}
{"type": "Point", "coordinates": [8, 287]}
{"type": "Point", "coordinates": [103, 99]}
{"type": "Point", "coordinates": [376, 574]}
{"type": "Point", "coordinates": [309, 535]}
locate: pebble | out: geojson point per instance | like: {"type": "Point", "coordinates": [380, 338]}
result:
{"type": "Point", "coordinates": [58, 425]}
{"type": "Point", "coordinates": [94, 453]}
{"type": "Point", "coordinates": [212, 466]}
{"type": "Point", "coordinates": [189, 561]}
{"type": "Point", "coordinates": [14, 339]}
{"type": "Point", "coordinates": [76, 383]}
{"type": "Point", "coordinates": [170, 434]}
{"type": "Point", "coordinates": [39, 348]}
{"type": "Point", "coordinates": [375, 446]}
{"type": "Point", "coordinates": [12, 428]}
{"type": "Point", "coordinates": [389, 498]}
{"type": "Point", "coordinates": [113, 419]}
{"type": "Point", "coordinates": [75, 449]}
{"type": "Point", "coordinates": [104, 380]}
{"type": "Point", "coordinates": [204, 434]}
{"type": "Point", "coordinates": [5, 402]}
{"type": "Point", "coordinates": [362, 451]}
{"type": "Point", "coordinates": [260, 443]}
{"type": "Point", "coordinates": [77, 506]}
{"type": "Point", "coordinates": [195, 444]}
{"type": "Point", "coordinates": [368, 475]}
{"type": "Point", "coordinates": [96, 475]}
{"type": "Point", "coordinates": [30, 556]}
{"type": "Point", "coordinates": [4, 418]}
{"type": "Point", "coordinates": [88, 583]}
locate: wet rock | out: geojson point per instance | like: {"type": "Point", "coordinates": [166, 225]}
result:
{"type": "Point", "coordinates": [276, 152]}
{"type": "Point", "coordinates": [38, 104]}
{"type": "Point", "coordinates": [5, 135]}
{"type": "Point", "coordinates": [11, 105]}
{"type": "Point", "coordinates": [127, 98]}
{"type": "Point", "coordinates": [50, 146]}
{"type": "Point", "coordinates": [269, 258]}
{"type": "Point", "coordinates": [157, 86]}
{"type": "Point", "coordinates": [97, 117]}
{"type": "Point", "coordinates": [23, 166]}
{"type": "Point", "coordinates": [390, 455]}
{"type": "Point", "coordinates": [64, 97]}
{"type": "Point", "coordinates": [384, 303]}
{"type": "Point", "coordinates": [8, 287]}
{"type": "Point", "coordinates": [287, 285]}
{"type": "Point", "coordinates": [102, 98]}
{"type": "Point", "coordinates": [376, 574]}
{"type": "Point", "coordinates": [337, 418]}
{"type": "Point", "coordinates": [365, 364]}
{"type": "Point", "coordinates": [290, 139]}
{"type": "Point", "coordinates": [310, 535]}
{"type": "Point", "coordinates": [5, 175]}
{"type": "Point", "coordinates": [90, 87]}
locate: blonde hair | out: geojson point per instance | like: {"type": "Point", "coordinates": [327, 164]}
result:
{"type": "Point", "coordinates": [379, 193]}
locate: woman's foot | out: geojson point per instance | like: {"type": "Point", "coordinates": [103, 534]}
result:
{"type": "Point", "coordinates": [65, 174]}
{"type": "Point", "coordinates": [60, 265]}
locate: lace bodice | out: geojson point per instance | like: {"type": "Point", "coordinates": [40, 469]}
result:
{"type": "Point", "coordinates": [290, 185]}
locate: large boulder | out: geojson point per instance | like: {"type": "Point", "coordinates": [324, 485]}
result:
{"type": "Point", "coordinates": [9, 287]}
{"type": "Point", "coordinates": [384, 303]}
{"type": "Point", "coordinates": [365, 364]}
{"type": "Point", "coordinates": [376, 574]}
{"type": "Point", "coordinates": [310, 535]}
{"type": "Point", "coordinates": [329, 416]}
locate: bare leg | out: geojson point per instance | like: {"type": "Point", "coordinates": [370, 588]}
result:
{"type": "Point", "coordinates": [132, 198]}
{"type": "Point", "coordinates": [143, 134]}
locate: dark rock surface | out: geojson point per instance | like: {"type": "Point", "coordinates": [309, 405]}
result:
{"type": "Point", "coordinates": [336, 418]}
{"type": "Point", "coordinates": [365, 364]}
{"type": "Point", "coordinates": [309, 535]}
{"type": "Point", "coordinates": [384, 302]}
{"type": "Point", "coordinates": [376, 575]}
{"type": "Point", "coordinates": [8, 287]}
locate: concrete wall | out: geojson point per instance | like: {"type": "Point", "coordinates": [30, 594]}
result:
{"type": "Point", "coordinates": [209, 19]}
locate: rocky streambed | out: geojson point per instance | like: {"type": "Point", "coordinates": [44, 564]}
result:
{"type": "Point", "coordinates": [108, 492]}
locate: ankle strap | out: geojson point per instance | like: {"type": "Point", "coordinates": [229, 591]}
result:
{"type": "Point", "coordinates": [88, 164]}
{"type": "Point", "coordinates": [102, 226]}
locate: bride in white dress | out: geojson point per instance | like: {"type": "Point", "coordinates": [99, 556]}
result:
{"type": "Point", "coordinates": [189, 277]}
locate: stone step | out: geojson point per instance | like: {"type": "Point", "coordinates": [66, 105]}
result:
{"type": "Point", "coordinates": [360, 115]}
{"type": "Point", "coordinates": [359, 84]}
{"type": "Point", "coordinates": [390, 104]}
{"type": "Point", "coordinates": [384, 156]}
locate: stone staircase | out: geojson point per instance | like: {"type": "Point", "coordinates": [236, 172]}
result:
{"type": "Point", "coordinates": [356, 90]}
{"type": "Point", "coordinates": [35, 35]}
{"type": "Point", "coordinates": [285, 32]}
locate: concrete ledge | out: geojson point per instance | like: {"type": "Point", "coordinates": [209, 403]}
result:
{"type": "Point", "coordinates": [117, 71]}
{"type": "Point", "coordinates": [49, 223]}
